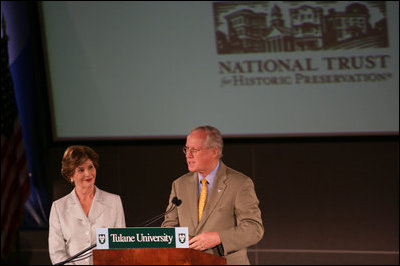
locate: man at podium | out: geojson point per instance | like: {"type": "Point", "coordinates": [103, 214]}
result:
{"type": "Point", "coordinates": [219, 205]}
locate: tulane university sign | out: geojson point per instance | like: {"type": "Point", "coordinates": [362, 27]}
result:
{"type": "Point", "coordinates": [142, 237]}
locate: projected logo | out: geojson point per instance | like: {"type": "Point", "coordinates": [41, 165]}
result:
{"type": "Point", "coordinates": [286, 26]}
{"type": "Point", "coordinates": [285, 43]}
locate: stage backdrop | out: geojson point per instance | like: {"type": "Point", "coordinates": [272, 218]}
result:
{"type": "Point", "coordinates": [126, 70]}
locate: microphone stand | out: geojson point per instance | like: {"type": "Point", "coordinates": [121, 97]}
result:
{"type": "Point", "coordinates": [176, 203]}
{"type": "Point", "coordinates": [76, 255]}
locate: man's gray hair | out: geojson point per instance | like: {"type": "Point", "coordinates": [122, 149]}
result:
{"type": "Point", "coordinates": [214, 137]}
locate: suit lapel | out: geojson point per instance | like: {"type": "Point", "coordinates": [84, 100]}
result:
{"type": "Point", "coordinates": [193, 198]}
{"type": "Point", "coordinates": [98, 205]}
{"type": "Point", "coordinates": [97, 208]}
{"type": "Point", "coordinates": [74, 207]}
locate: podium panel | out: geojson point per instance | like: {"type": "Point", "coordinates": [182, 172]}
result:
{"type": "Point", "coordinates": [155, 256]}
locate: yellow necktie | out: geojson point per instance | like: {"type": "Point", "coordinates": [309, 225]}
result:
{"type": "Point", "coordinates": [203, 197]}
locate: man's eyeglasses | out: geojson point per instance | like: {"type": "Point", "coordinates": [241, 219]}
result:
{"type": "Point", "coordinates": [192, 151]}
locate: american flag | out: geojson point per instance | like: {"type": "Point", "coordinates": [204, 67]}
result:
{"type": "Point", "coordinates": [15, 187]}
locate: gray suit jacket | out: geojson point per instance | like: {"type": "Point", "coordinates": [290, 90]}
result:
{"type": "Point", "coordinates": [231, 210]}
{"type": "Point", "coordinates": [71, 231]}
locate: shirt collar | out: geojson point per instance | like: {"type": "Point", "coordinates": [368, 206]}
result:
{"type": "Point", "coordinates": [211, 176]}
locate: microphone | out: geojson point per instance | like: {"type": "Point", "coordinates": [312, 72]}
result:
{"type": "Point", "coordinates": [176, 203]}
{"type": "Point", "coordinates": [76, 255]}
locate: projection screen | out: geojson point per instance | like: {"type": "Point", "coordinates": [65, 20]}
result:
{"type": "Point", "coordinates": [145, 70]}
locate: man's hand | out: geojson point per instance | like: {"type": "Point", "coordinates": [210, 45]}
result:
{"type": "Point", "coordinates": [205, 241]}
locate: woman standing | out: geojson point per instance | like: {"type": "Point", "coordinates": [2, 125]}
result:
{"type": "Point", "coordinates": [75, 217]}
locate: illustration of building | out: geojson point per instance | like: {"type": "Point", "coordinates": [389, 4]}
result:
{"type": "Point", "coordinates": [246, 31]}
{"type": "Point", "coordinates": [306, 23]}
{"type": "Point", "coordinates": [308, 28]}
{"type": "Point", "coordinates": [278, 38]}
{"type": "Point", "coordinates": [346, 25]}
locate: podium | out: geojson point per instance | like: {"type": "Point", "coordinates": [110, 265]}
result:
{"type": "Point", "coordinates": [155, 256]}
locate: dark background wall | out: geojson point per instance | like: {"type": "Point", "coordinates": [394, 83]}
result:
{"type": "Point", "coordinates": [323, 201]}
{"type": "Point", "coordinates": [326, 200]}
